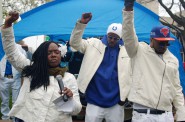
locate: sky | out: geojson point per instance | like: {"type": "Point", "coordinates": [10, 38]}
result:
{"type": "Point", "coordinates": [175, 8]}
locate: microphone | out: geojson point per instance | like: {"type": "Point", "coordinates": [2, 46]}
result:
{"type": "Point", "coordinates": [61, 85]}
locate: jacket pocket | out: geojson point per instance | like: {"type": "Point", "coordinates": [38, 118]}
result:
{"type": "Point", "coordinates": [172, 67]}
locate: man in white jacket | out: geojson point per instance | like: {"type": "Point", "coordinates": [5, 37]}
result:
{"type": "Point", "coordinates": [103, 74]}
{"type": "Point", "coordinates": [155, 76]}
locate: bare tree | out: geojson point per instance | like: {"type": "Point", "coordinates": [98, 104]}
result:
{"type": "Point", "coordinates": [178, 23]}
{"type": "Point", "coordinates": [21, 5]}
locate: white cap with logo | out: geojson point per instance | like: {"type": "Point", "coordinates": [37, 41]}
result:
{"type": "Point", "coordinates": [115, 28]}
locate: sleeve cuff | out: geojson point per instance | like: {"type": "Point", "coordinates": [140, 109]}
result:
{"type": "Point", "coordinates": [131, 13]}
{"type": "Point", "coordinates": [80, 26]}
{"type": "Point", "coordinates": [7, 30]}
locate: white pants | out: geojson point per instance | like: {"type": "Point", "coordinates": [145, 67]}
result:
{"type": "Point", "coordinates": [97, 114]}
{"type": "Point", "coordinates": [142, 117]}
{"type": "Point", "coordinates": [7, 84]}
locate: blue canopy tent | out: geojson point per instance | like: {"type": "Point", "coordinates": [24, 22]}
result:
{"type": "Point", "coordinates": [58, 18]}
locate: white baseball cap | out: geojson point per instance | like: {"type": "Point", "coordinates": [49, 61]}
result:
{"type": "Point", "coordinates": [115, 28]}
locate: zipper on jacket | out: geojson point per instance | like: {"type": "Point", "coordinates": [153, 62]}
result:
{"type": "Point", "coordinates": [161, 84]}
{"type": "Point", "coordinates": [97, 49]}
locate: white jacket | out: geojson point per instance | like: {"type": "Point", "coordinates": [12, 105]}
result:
{"type": "Point", "coordinates": [93, 50]}
{"type": "Point", "coordinates": [155, 81]}
{"type": "Point", "coordinates": [37, 105]}
{"type": "Point", "coordinates": [15, 73]}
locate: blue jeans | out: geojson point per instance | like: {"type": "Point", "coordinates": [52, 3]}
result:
{"type": "Point", "coordinates": [5, 85]}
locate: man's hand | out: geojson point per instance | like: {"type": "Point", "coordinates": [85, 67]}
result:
{"type": "Point", "coordinates": [11, 18]}
{"type": "Point", "coordinates": [86, 17]}
{"type": "Point", "coordinates": [129, 5]}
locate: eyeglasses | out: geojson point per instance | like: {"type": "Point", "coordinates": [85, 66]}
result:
{"type": "Point", "coordinates": [164, 44]}
{"type": "Point", "coordinates": [115, 38]}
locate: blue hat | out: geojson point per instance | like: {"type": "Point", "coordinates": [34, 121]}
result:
{"type": "Point", "coordinates": [161, 33]}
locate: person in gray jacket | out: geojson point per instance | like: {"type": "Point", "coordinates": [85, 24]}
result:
{"type": "Point", "coordinates": [35, 102]}
{"type": "Point", "coordinates": [103, 74]}
{"type": "Point", "coordinates": [155, 75]}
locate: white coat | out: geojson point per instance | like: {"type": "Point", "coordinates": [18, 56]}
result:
{"type": "Point", "coordinates": [155, 80]}
{"type": "Point", "coordinates": [37, 105]}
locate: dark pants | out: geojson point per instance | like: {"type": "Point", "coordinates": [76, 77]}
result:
{"type": "Point", "coordinates": [18, 120]}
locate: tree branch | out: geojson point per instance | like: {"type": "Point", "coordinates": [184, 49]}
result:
{"type": "Point", "coordinates": [164, 22]}
{"type": "Point", "coordinates": [183, 3]}
{"type": "Point", "coordinates": [171, 5]}
{"type": "Point", "coordinates": [173, 16]}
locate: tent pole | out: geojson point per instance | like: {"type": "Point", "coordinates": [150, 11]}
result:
{"type": "Point", "coordinates": [1, 13]}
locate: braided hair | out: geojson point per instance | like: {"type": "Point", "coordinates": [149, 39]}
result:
{"type": "Point", "coordinates": [38, 70]}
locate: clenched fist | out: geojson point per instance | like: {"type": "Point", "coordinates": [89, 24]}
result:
{"type": "Point", "coordinates": [129, 3]}
{"type": "Point", "coordinates": [86, 17]}
{"type": "Point", "coordinates": [11, 18]}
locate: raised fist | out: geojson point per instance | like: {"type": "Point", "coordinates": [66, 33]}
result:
{"type": "Point", "coordinates": [86, 17]}
{"type": "Point", "coordinates": [129, 3]}
{"type": "Point", "coordinates": [11, 18]}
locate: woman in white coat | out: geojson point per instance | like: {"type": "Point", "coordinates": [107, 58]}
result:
{"type": "Point", "coordinates": [40, 87]}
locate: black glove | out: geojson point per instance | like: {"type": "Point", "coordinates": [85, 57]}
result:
{"type": "Point", "coordinates": [129, 3]}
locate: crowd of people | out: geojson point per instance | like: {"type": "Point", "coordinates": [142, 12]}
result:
{"type": "Point", "coordinates": [111, 73]}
